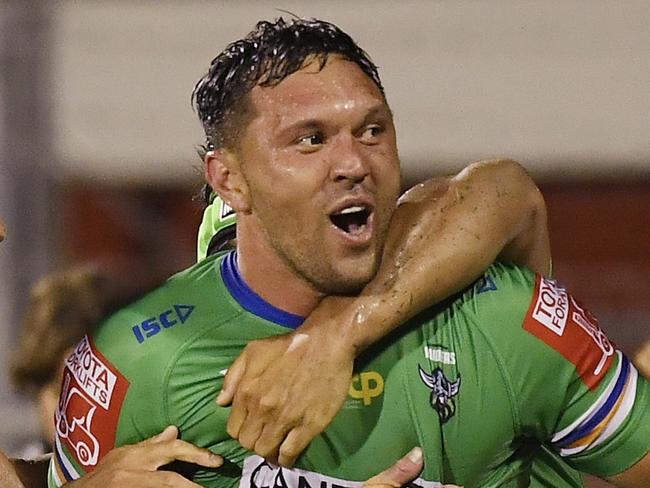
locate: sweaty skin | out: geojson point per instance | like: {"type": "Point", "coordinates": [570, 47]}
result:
{"type": "Point", "coordinates": [443, 235]}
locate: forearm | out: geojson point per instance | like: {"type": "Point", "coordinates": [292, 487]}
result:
{"type": "Point", "coordinates": [443, 236]}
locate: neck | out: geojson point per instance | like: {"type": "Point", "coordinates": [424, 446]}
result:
{"type": "Point", "coordinates": [269, 275]}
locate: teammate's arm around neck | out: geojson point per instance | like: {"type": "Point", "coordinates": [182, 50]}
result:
{"type": "Point", "coordinates": [443, 235]}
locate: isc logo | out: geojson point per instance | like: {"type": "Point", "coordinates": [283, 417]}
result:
{"type": "Point", "coordinates": [151, 326]}
{"type": "Point", "coordinates": [366, 386]}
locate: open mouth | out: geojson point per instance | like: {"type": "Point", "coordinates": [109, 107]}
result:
{"type": "Point", "coordinates": [351, 220]}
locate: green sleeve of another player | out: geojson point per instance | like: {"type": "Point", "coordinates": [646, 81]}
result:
{"type": "Point", "coordinates": [574, 391]}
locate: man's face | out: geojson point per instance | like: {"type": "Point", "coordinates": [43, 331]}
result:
{"type": "Point", "coordinates": [320, 161]}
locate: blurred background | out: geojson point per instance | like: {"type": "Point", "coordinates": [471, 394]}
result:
{"type": "Point", "coordinates": [97, 135]}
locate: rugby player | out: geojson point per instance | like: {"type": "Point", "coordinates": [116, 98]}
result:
{"type": "Point", "coordinates": [302, 146]}
{"type": "Point", "coordinates": [137, 465]}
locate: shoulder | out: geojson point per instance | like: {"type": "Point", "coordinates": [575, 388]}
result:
{"type": "Point", "coordinates": [501, 297]}
{"type": "Point", "coordinates": [150, 329]}
{"type": "Point", "coordinates": [523, 320]}
{"type": "Point", "coordinates": [533, 315]}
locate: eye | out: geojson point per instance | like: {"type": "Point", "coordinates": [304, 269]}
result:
{"type": "Point", "coordinates": [371, 133]}
{"type": "Point", "coordinates": [311, 141]}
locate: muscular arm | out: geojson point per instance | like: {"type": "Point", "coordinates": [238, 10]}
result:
{"type": "Point", "coordinates": [443, 235]}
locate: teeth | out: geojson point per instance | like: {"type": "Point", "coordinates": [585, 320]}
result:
{"type": "Point", "coordinates": [351, 210]}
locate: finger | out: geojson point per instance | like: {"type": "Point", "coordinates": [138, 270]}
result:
{"type": "Point", "coordinates": [161, 453]}
{"type": "Point", "coordinates": [400, 473]}
{"type": "Point", "coordinates": [170, 433]}
{"type": "Point", "coordinates": [250, 431]}
{"type": "Point", "coordinates": [231, 382]}
{"type": "Point", "coordinates": [237, 417]}
{"type": "Point", "coordinates": [269, 441]}
{"type": "Point", "coordinates": [296, 442]}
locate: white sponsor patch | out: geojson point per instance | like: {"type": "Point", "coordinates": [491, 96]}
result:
{"type": "Point", "coordinates": [92, 375]}
{"type": "Point", "coordinates": [259, 473]}
{"type": "Point", "coordinates": [438, 355]}
{"type": "Point", "coordinates": [552, 306]}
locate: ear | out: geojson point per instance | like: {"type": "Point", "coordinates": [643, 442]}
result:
{"type": "Point", "coordinates": [223, 174]}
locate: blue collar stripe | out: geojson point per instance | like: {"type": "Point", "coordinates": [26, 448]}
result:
{"type": "Point", "coordinates": [251, 301]}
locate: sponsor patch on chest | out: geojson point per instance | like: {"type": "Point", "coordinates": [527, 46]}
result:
{"type": "Point", "coordinates": [366, 386]}
{"type": "Point", "coordinates": [559, 320]}
{"type": "Point", "coordinates": [259, 473]}
{"type": "Point", "coordinates": [89, 406]}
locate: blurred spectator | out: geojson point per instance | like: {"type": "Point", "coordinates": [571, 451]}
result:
{"type": "Point", "coordinates": [63, 307]}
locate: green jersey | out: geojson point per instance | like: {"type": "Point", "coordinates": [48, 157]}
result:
{"type": "Point", "coordinates": [507, 384]}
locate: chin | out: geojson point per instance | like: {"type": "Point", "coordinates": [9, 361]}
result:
{"type": "Point", "coordinates": [350, 283]}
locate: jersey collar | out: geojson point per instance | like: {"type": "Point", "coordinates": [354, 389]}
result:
{"type": "Point", "coordinates": [251, 301]}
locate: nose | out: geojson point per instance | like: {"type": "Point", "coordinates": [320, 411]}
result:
{"type": "Point", "coordinates": [348, 161]}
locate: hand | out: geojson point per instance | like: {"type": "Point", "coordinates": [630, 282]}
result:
{"type": "Point", "coordinates": [277, 408]}
{"type": "Point", "coordinates": [8, 475]}
{"type": "Point", "coordinates": [137, 464]}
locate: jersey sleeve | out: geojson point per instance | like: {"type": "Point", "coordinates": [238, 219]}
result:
{"type": "Point", "coordinates": [572, 388]}
{"type": "Point", "coordinates": [87, 416]}
{"type": "Point", "coordinates": [111, 395]}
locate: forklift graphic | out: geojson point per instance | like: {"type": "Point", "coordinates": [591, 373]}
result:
{"type": "Point", "coordinates": [73, 420]}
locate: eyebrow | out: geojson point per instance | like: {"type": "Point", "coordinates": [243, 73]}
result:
{"type": "Point", "coordinates": [379, 110]}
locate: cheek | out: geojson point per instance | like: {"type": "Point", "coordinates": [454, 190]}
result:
{"type": "Point", "coordinates": [388, 177]}
{"type": "Point", "coordinates": [385, 160]}
{"type": "Point", "coordinates": [285, 183]}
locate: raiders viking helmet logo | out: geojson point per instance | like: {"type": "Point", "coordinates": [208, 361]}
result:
{"type": "Point", "coordinates": [443, 392]}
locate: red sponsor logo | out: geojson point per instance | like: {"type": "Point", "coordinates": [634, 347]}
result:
{"type": "Point", "coordinates": [89, 407]}
{"type": "Point", "coordinates": [555, 317]}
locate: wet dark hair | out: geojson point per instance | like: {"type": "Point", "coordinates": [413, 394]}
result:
{"type": "Point", "coordinates": [265, 57]}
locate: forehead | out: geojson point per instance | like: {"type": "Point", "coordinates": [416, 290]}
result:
{"type": "Point", "coordinates": [340, 82]}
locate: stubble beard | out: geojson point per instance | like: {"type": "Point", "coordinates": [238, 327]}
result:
{"type": "Point", "coordinates": [325, 278]}
{"type": "Point", "coordinates": [312, 265]}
